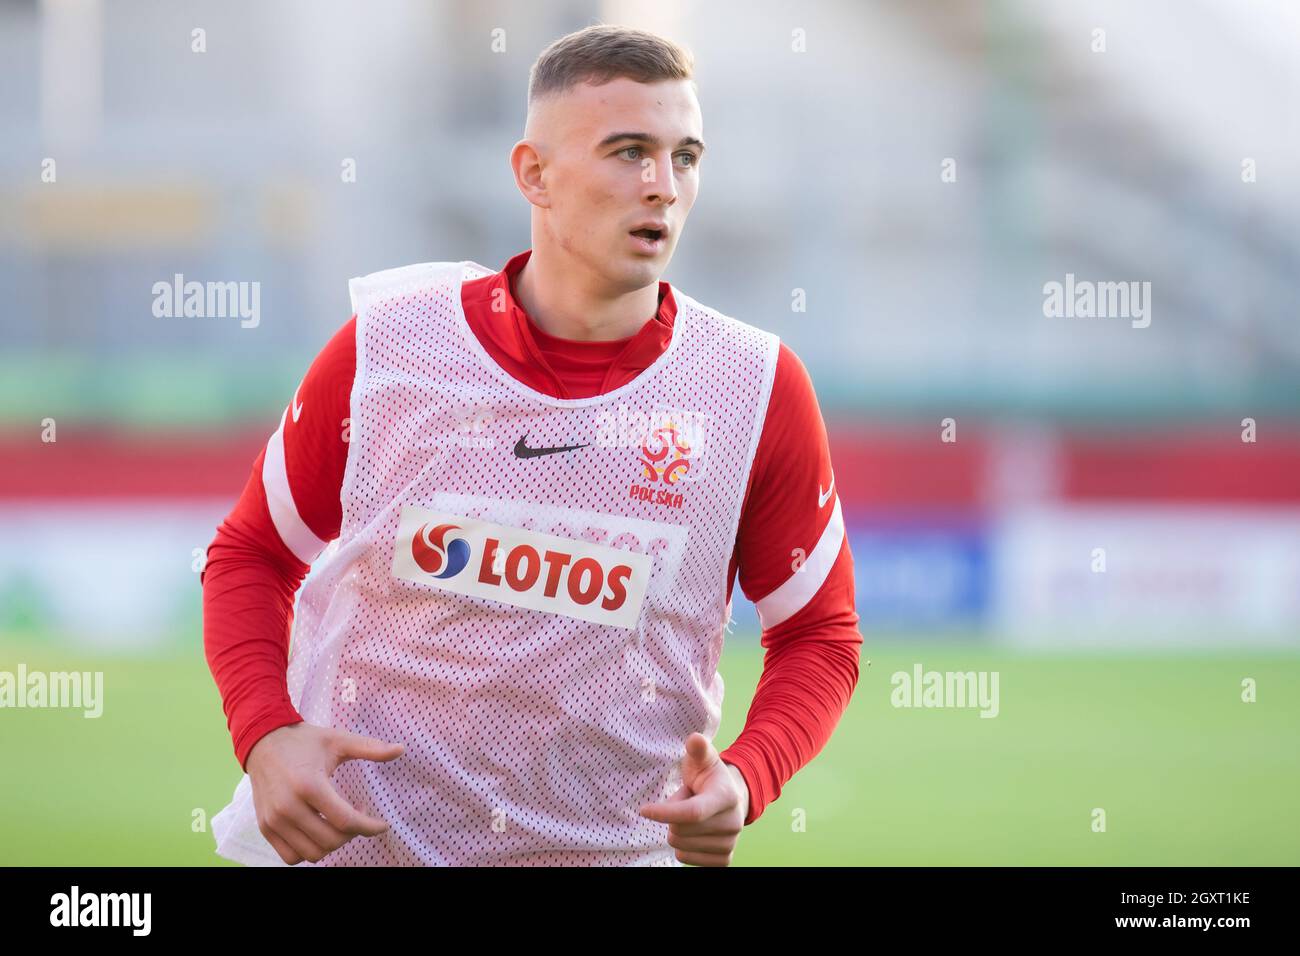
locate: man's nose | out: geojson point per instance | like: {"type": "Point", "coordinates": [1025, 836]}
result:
{"type": "Point", "coordinates": [659, 182]}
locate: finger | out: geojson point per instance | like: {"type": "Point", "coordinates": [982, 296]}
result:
{"type": "Point", "coordinates": [695, 809]}
{"type": "Point", "coordinates": [302, 844]}
{"type": "Point", "coordinates": [678, 795]}
{"type": "Point", "coordinates": [720, 843]}
{"type": "Point", "coordinates": [286, 852]}
{"type": "Point", "coordinates": [717, 825]}
{"type": "Point", "coordinates": [700, 757]}
{"type": "Point", "coordinates": [352, 746]}
{"type": "Point", "coordinates": [327, 801]}
{"type": "Point", "coordinates": [317, 829]}
{"type": "Point", "coordinates": [700, 747]}
{"type": "Point", "coordinates": [704, 859]}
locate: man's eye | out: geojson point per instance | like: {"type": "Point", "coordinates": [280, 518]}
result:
{"type": "Point", "coordinates": [690, 156]}
{"type": "Point", "coordinates": [626, 148]}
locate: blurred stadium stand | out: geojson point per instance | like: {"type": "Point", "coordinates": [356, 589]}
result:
{"type": "Point", "coordinates": [924, 297]}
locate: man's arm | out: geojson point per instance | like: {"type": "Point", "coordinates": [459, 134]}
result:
{"type": "Point", "coordinates": [793, 559]}
{"type": "Point", "coordinates": [289, 510]}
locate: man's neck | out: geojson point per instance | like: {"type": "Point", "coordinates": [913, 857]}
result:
{"type": "Point", "coordinates": [563, 304]}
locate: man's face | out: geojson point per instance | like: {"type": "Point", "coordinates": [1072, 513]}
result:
{"type": "Point", "coordinates": [614, 158]}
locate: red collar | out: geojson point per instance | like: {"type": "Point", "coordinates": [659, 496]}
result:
{"type": "Point", "coordinates": [562, 368]}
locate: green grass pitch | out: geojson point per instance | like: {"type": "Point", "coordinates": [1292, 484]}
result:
{"type": "Point", "coordinates": [1186, 772]}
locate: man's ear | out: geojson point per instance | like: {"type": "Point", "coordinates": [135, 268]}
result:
{"type": "Point", "coordinates": [526, 162]}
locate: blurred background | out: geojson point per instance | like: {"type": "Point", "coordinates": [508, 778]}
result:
{"type": "Point", "coordinates": [891, 187]}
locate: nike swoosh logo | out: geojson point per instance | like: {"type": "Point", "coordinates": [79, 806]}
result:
{"type": "Point", "coordinates": [823, 497]}
{"type": "Point", "coordinates": [297, 405]}
{"type": "Point", "coordinates": [523, 451]}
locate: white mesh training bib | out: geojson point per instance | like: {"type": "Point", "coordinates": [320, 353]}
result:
{"type": "Point", "coordinates": [529, 593]}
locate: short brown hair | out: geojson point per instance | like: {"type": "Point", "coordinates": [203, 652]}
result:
{"type": "Point", "coordinates": [600, 53]}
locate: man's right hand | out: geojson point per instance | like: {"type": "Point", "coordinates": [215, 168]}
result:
{"type": "Point", "coordinates": [298, 810]}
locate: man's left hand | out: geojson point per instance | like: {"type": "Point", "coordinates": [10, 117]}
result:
{"type": "Point", "coordinates": [706, 814]}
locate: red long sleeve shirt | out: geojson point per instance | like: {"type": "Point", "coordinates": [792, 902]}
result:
{"type": "Point", "coordinates": [792, 554]}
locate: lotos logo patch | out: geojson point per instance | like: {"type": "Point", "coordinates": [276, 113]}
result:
{"type": "Point", "coordinates": [440, 559]}
{"type": "Point", "coordinates": [529, 569]}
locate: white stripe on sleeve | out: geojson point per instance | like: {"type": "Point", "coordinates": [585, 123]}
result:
{"type": "Point", "coordinates": [295, 534]}
{"type": "Point", "coordinates": [799, 588]}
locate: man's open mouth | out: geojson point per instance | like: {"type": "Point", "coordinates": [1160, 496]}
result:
{"type": "Point", "coordinates": [651, 234]}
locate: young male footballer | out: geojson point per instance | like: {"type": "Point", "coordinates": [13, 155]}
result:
{"type": "Point", "coordinates": [537, 487]}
